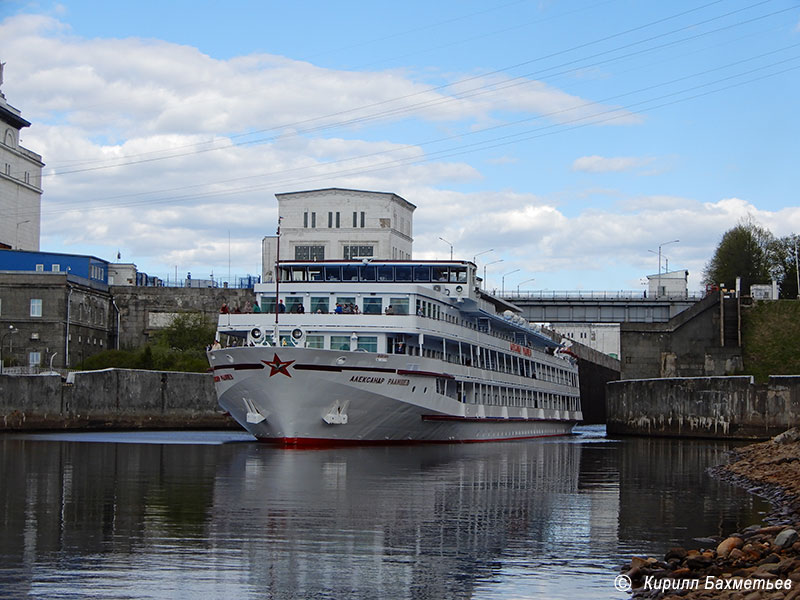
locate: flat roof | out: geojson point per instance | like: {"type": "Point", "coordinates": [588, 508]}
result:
{"type": "Point", "coordinates": [337, 189]}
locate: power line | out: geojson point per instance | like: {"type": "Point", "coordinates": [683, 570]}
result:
{"type": "Point", "coordinates": [401, 110]}
{"type": "Point", "coordinates": [579, 122]}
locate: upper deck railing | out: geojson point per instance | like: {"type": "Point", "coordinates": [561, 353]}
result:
{"type": "Point", "coordinates": [626, 295]}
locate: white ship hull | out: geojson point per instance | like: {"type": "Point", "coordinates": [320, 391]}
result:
{"type": "Point", "coordinates": [301, 396]}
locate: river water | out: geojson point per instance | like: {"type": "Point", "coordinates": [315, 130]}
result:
{"type": "Point", "coordinates": [217, 515]}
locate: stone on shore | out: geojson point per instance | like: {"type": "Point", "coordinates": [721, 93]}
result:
{"type": "Point", "coordinates": [766, 554]}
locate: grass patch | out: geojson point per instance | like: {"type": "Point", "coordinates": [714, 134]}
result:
{"type": "Point", "coordinates": [771, 339]}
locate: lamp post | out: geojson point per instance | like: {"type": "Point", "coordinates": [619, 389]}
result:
{"type": "Point", "coordinates": [503, 279]}
{"type": "Point", "coordinates": [484, 270]}
{"type": "Point", "coordinates": [449, 244]}
{"type": "Point", "coordinates": [11, 330]}
{"type": "Point", "coordinates": [475, 258]}
{"type": "Point", "coordinates": [16, 236]}
{"type": "Point", "coordinates": [521, 282]}
{"type": "Point", "coordinates": [658, 289]}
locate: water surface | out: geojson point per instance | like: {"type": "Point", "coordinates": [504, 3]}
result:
{"type": "Point", "coordinates": [216, 515]}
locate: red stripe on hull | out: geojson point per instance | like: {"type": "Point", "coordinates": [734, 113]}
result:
{"type": "Point", "coordinates": [321, 443]}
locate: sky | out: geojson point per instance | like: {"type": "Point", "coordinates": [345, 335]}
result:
{"type": "Point", "coordinates": [560, 144]}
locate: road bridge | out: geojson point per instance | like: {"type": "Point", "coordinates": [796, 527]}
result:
{"type": "Point", "coordinates": [599, 307]}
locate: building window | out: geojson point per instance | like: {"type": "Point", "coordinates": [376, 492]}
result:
{"type": "Point", "coordinates": [56, 268]}
{"type": "Point", "coordinates": [27, 177]}
{"type": "Point", "coordinates": [40, 268]}
{"type": "Point", "coordinates": [36, 307]}
{"type": "Point", "coordinates": [337, 220]}
{"type": "Point", "coordinates": [305, 219]}
{"type": "Point", "coordinates": [330, 220]}
{"type": "Point", "coordinates": [355, 219]}
{"type": "Point", "coordinates": [34, 359]}
{"type": "Point", "coordinates": [313, 220]}
{"type": "Point", "coordinates": [362, 219]}
{"type": "Point", "coordinates": [309, 252]}
{"type": "Point", "coordinates": [354, 252]}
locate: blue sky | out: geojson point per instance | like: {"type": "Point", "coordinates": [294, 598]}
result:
{"type": "Point", "coordinates": [572, 138]}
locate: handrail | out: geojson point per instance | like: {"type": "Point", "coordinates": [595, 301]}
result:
{"type": "Point", "coordinates": [599, 295]}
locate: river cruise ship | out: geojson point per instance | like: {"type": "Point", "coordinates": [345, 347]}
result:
{"type": "Point", "coordinates": [389, 351]}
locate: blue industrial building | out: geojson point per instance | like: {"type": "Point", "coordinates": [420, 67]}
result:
{"type": "Point", "coordinates": [88, 267]}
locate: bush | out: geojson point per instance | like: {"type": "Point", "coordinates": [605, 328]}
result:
{"type": "Point", "coordinates": [178, 347]}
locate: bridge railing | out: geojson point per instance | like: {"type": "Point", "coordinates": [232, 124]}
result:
{"type": "Point", "coordinates": [628, 295]}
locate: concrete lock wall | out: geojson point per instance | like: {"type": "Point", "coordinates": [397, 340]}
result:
{"type": "Point", "coordinates": [111, 398]}
{"type": "Point", "coordinates": [713, 407]}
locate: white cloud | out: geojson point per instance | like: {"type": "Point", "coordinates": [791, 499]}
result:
{"type": "Point", "coordinates": [101, 102]}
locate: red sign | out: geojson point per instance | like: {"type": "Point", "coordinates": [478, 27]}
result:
{"type": "Point", "coordinates": [520, 349]}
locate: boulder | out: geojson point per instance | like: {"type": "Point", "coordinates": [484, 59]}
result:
{"type": "Point", "coordinates": [785, 538]}
{"type": "Point", "coordinates": [787, 437]}
{"type": "Point", "coordinates": [728, 544]}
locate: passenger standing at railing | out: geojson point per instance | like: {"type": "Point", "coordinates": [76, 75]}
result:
{"type": "Point", "coordinates": [389, 310]}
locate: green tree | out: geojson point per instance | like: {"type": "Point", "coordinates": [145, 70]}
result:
{"type": "Point", "coordinates": [187, 332]}
{"type": "Point", "coordinates": [745, 251]}
{"type": "Point", "coordinates": [178, 347]}
{"type": "Point", "coordinates": [784, 265]}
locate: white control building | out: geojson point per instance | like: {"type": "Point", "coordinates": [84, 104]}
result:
{"type": "Point", "coordinates": [336, 223]}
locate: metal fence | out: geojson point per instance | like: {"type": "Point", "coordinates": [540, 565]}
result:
{"type": "Point", "coordinates": [596, 295]}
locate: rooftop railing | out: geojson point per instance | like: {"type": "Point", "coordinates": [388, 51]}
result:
{"type": "Point", "coordinates": [632, 295]}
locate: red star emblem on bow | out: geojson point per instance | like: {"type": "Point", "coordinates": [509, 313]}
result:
{"type": "Point", "coordinates": [277, 365]}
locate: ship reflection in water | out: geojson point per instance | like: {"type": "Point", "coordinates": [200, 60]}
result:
{"type": "Point", "coordinates": [183, 515]}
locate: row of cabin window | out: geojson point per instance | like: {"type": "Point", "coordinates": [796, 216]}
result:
{"type": "Point", "coordinates": [522, 398]}
{"type": "Point", "coordinates": [322, 304]}
{"type": "Point", "coordinates": [366, 343]}
{"type": "Point", "coordinates": [372, 273]}
{"type": "Point", "coordinates": [502, 362]}
{"type": "Point", "coordinates": [333, 218]}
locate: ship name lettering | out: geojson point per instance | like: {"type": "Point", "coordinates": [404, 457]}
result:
{"type": "Point", "coordinates": [366, 379]}
{"type": "Point", "coordinates": [398, 381]}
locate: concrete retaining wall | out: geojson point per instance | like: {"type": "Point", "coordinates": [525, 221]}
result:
{"type": "Point", "coordinates": [111, 398]}
{"type": "Point", "coordinates": [713, 407]}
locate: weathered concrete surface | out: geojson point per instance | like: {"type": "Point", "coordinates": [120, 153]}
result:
{"type": "Point", "coordinates": [595, 369]}
{"type": "Point", "coordinates": [716, 407]}
{"type": "Point", "coordinates": [702, 341]}
{"type": "Point", "coordinates": [111, 398]}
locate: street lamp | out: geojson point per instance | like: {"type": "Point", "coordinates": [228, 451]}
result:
{"type": "Point", "coordinates": [484, 270]}
{"type": "Point", "coordinates": [475, 258]}
{"type": "Point", "coordinates": [666, 260]}
{"type": "Point", "coordinates": [11, 330]}
{"type": "Point", "coordinates": [658, 289]}
{"type": "Point", "coordinates": [521, 282]}
{"type": "Point", "coordinates": [503, 285]}
{"type": "Point", "coordinates": [449, 244]}
{"type": "Point", "coordinates": [16, 237]}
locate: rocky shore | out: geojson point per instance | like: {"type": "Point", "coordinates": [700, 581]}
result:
{"type": "Point", "coordinates": [758, 563]}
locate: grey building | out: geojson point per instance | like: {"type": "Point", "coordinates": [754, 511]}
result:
{"type": "Point", "coordinates": [53, 318]}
